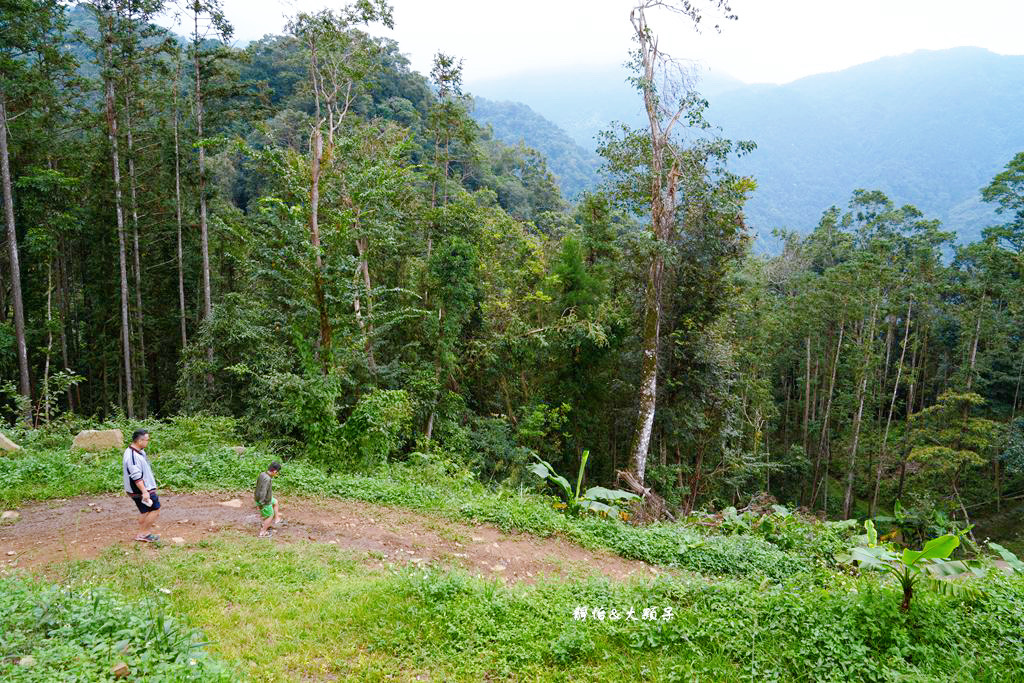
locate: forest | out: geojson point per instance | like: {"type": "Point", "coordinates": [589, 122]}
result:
{"type": "Point", "coordinates": [304, 230]}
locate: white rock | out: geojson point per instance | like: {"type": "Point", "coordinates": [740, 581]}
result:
{"type": "Point", "coordinates": [8, 445]}
{"type": "Point", "coordinates": [28, 660]}
{"type": "Point", "coordinates": [10, 514]}
{"type": "Point", "coordinates": [94, 440]}
{"type": "Point", "coordinates": [178, 539]}
{"type": "Point", "coordinates": [233, 503]}
{"type": "Point", "coordinates": [239, 450]}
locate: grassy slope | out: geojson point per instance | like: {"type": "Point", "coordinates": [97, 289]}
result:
{"type": "Point", "coordinates": [768, 609]}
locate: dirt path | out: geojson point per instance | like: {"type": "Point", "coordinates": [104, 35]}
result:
{"type": "Point", "coordinates": [56, 531]}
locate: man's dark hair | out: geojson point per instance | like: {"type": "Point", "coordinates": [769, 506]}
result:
{"type": "Point", "coordinates": [274, 467]}
{"type": "Point", "coordinates": [138, 434]}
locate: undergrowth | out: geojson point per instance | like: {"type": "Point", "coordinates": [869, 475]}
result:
{"type": "Point", "coordinates": [54, 633]}
{"type": "Point", "coordinates": [317, 611]}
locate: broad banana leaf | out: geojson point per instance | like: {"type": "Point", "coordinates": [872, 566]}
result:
{"type": "Point", "coordinates": [601, 493]}
{"type": "Point", "coordinates": [936, 549]}
{"type": "Point", "coordinates": [1008, 557]}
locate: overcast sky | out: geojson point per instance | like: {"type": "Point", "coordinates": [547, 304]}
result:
{"type": "Point", "coordinates": [773, 41]}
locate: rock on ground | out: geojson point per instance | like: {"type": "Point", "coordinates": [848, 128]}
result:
{"type": "Point", "coordinates": [98, 440]}
{"type": "Point", "coordinates": [8, 445]}
{"type": "Point", "coordinates": [240, 450]}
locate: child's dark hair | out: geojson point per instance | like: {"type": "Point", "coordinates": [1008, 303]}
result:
{"type": "Point", "coordinates": [274, 467]}
{"type": "Point", "coordinates": [138, 434]}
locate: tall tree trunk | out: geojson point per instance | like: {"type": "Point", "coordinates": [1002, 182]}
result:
{"type": "Point", "coordinates": [363, 246]}
{"type": "Point", "coordinates": [807, 397]}
{"type": "Point", "coordinates": [24, 388]}
{"type": "Point", "coordinates": [695, 479]}
{"type": "Point", "coordinates": [974, 349]}
{"type": "Point", "coordinates": [1016, 392]}
{"type": "Point", "coordinates": [316, 148]}
{"type": "Point", "coordinates": [112, 135]}
{"type": "Point", "coordinates": [822, 442]}
{"type": "Point", "coordinates": [62, 307]}
{"type": "Point", "coordinates": [649, 367]}
{"type": "Point", "coordinates": [862, 392]}
{"type": "Point", "coordinates": [888, 421]}
{"type": "Point", "coordinates": [177, 210]}
{"type": "Point", "coordinates": [910, 412]}
{"type": "Point", "coordinates": [204, 236]}
{"type": "Point", "coordinates": [141, 358]}
{"type": "Point", "coordinates": [663, 200]}
{"type": "Point", "coordinates": [44, 408]}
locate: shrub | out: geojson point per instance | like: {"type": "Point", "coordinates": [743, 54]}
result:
{"type": "Point", "coordinates": [378, 427]}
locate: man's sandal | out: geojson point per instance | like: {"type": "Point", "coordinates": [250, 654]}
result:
{"type": "Point", "coordinates": [144, 539]}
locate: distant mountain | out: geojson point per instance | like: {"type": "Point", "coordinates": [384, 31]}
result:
{"type": "Point", "coordinates": [513, 123]}
{"type": "Point", "coordinates": [929, 128]}
{"type": "Point", "coordinates": [584, 101]}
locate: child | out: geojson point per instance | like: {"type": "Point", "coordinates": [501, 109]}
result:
{"type": "Point", "coordinates": [265, 500]}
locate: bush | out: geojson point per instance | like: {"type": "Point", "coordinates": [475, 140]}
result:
{"type": "Point", "coordinates": [378, 427]}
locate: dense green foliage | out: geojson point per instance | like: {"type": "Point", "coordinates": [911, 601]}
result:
{"type": "Point", "coordinates": [78, 634]}
{"type": "Point", "coordinates": [387, 282]}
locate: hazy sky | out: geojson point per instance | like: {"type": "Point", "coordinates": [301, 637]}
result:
{"type": "Point", "coordinates": [773, 40]}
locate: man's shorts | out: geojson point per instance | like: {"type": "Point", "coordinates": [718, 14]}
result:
{"type": "Point", "coordinates": [268, 509]}
{"type": "Point", "coordinates": [137, 497]}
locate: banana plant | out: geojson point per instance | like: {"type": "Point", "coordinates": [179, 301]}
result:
{"type": "Point", "coordinates": [1009, 558]}
{"type": "Point", "coordinates": [929, 566]}
{"type": "Point", "coordinates": [596, 499]}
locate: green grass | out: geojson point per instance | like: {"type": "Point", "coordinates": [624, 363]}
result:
{"type": "Point", "coordinates": [311, 610]}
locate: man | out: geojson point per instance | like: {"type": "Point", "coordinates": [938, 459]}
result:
{"type": "Point", "coordinates": [265, 500]}
{"type": "Point", "coordinates": [140, 484]}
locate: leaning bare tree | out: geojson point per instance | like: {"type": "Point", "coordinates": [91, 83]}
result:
{"type": "Point", "coordinates": [668, 97]}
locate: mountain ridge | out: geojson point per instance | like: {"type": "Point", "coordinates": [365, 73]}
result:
{"type": "Point", "coordinates": [929, 128]}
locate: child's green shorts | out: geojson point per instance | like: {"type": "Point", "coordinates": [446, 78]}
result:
{"type": "Point", "coordinates": [268, 509]}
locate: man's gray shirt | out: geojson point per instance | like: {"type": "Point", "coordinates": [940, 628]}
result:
{"type": "Point", "coordinates": [135, 466]}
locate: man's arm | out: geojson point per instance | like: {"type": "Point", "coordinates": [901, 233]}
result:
{"type": "Point", "coordinates": [142, 489]}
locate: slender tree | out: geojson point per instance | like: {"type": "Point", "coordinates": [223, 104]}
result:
{"type": "Point", "coordinates": [664, 175]}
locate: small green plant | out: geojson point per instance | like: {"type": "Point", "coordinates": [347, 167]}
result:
{"type": "Point", "coordinates": [591, 499]}
{"type": "Point", "coordinates": [914, 567]}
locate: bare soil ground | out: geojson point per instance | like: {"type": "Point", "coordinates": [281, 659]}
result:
{"type": "Point", "coordinates": [56, 531]}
